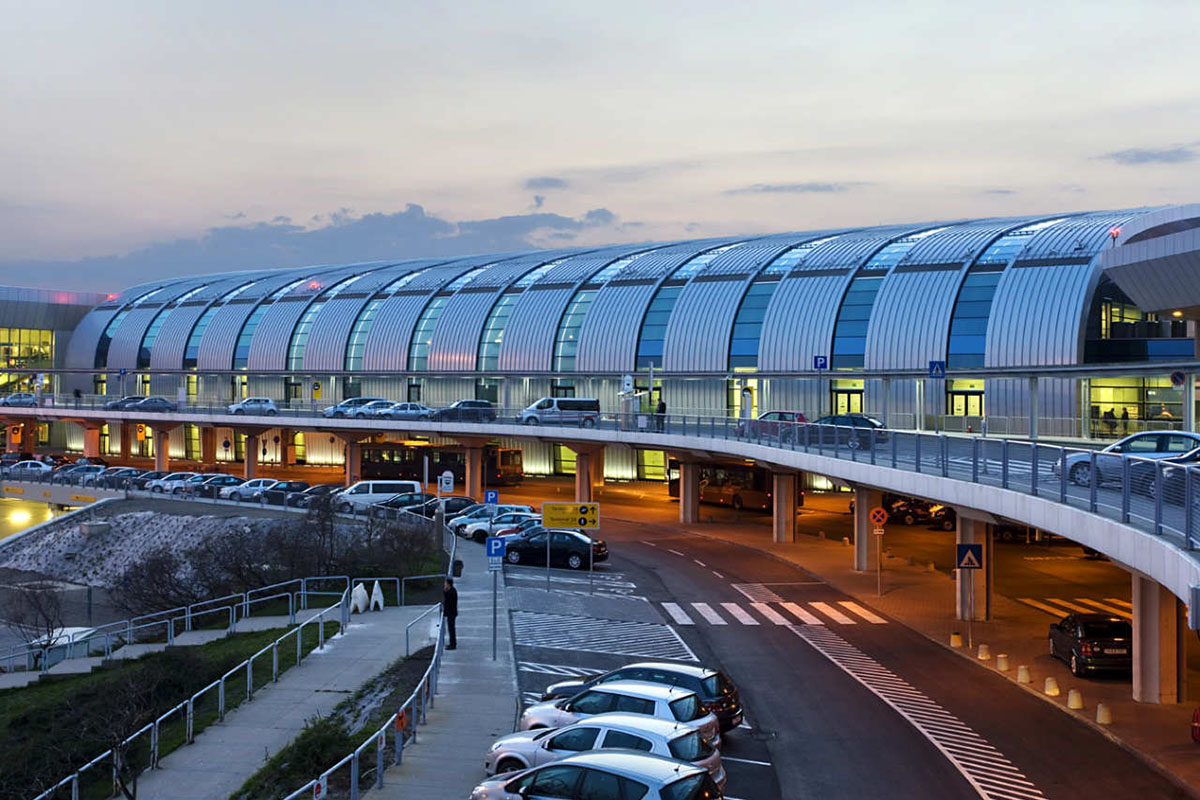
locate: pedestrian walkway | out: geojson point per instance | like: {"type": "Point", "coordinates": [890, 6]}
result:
{"type": "Point", "coordinates": [476, 701]}
{"type": "Point", "coordinates": [842, 612]}
{"type": "Point", "coordinates": [226, 753]}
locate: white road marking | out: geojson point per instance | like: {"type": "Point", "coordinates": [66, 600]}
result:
{"type": "Point", "coordinates": [771, 614]}
{"type": "Point", "coordinates": [802, 615]}
{"type": "Point", "coordinates": [710, 616]}
{"type": "Point", "coordinates": [992, 775]}
{"type": "Point", "coordinates": [832, 613]}
{"type": "Point", "coordinates": [737, 613]}
{"type": "Point", "coordinates": [650, 544]}
{"type": "Point", "coordinates": [565, 670]}
{"type": "Point", "coordinates": [1120, 612]}
{"type": "Point", "coordinates": [1073, 606]}
{"type": "Point", "coordinates": [698, 561]}
{"type": "Point", "coordinates": [619, 637]}
{"type": "Point", "coordinates": [676, 552]}
{"type": "Point", "coordinates": [747, 761]}
{"type": "Point", "coordinates": [719, 575]}
{"type": "Point", "coordinates": [678, 614]}
{"type": "Point", "coordinates": [855, 608]}
{"type": "Point", "coordinates": [1054, 612]}
{"type": "Point", "coordinates": [757, 592]}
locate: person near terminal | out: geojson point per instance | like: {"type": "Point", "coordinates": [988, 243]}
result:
{"type": "Point", "coordinates": [660, 413]}
{"type": "Point", "coordinates": [450, 611]}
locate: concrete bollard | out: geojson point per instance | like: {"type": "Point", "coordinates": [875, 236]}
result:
{"type": "Point", "coordinates": [1002, 662]}
{"type": "Point", "coordinates": [956, 640]}
{"type": "Point", "coordinates": [1023, 674]}
{"type": "Point", "coordinates": [845, 541]}
{"type": "Point", "coordinates": [1051, 689]}
{"type": "Point", "coordinates": [1103, 714]}
{"type": "Point", "coordinates": [985, 653]}
{"type": "Point", "coordinates": [1074, 699]}
{"type": "Point", "coordinates": [930, 567]}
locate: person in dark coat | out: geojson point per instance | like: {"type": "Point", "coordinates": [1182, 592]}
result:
{"type": "Point", "coordinates": [660, 413]}
{"type": "Point", "coordinates": [450, 611]}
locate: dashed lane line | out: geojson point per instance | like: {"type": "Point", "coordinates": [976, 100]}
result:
{"type": "Point", "coordinates": [710, 616]}
{"type": "Point", "coordinates": [747, 761]}
{"type": "Point", "coordinates": [855, 608]}
{"type": "Point", "coordinates": [984, 767]}
{"type": "Point", "coordinates": [676, 552]}
{"type": "Point", "coordinates": [677, 614]}
{"type": "Point", "coordinates": [698, 561]}
{"type": "Point", "coordinates": [832, 613]}
{"type": "Point", "coordinates": [735, 611]}
{"type": "Point", "coordinates": [802, 615]}
{"type": "Point", "coordinates": [771, 614]}
{"type": "Point", "coordinates": [719, 575]}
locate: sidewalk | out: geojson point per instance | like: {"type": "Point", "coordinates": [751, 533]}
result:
{"type": "Point", "coordinates": [227, 753]}
{"type": "Point", "coordinates": [476, 701]}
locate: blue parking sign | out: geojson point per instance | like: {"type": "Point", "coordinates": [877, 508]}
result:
{"type": "Point", "coordinates": [495, 546]}
{"type": "Point", "coordinates": [491, 496]}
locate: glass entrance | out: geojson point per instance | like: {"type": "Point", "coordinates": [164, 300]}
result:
{"type": "Point", "coordinates": [846, 396]}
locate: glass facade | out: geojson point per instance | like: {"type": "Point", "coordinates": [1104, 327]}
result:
{"type": "Point", "coordinates": [747, 325]}
{"type": "Point", "coordinates": [106, 338]}
{"type": "Point", "coordinates": [356, 344]}
{"type": "Point", "coordinates": [24, 348]}
{"type": "Point", "coordinates": [654, 327]}
{"type": "Point", "coordinates": [192, 350]}
{"type": "Point", "coordinates": [566, 341]}
{"type": "Point", "coordinates": [1120, 406]}
{"type": "Point", "coordinates": [151, 334]}
{"type": "Point", "coordinates": [493, 333]}
{"type": "Point", "coordinates": [418, 349]}
{"type": "Point", "coordinates": [241, 351]}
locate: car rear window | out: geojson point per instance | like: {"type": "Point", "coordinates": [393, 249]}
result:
{"type": "Point", "coordinates": [694, 787]}
{"type": "Point", "coordinates": [1107, 629]}
{"type": "Point", "coordinates": [690, 747]}
{"type": "Point", "coordinates": [687, 708]}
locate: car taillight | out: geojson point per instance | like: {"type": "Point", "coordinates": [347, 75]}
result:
{"type": "Point", "coordinates": [1086, 648]}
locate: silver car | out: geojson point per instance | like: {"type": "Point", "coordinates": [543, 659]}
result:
{"type": "Point", "coordinates": [407, 411]}
{"type": "Point", "coordinates": [612, 731]}
{"type": "Point", "coordinates": [260, 406]}
{"type": "Point", "coordinates": [632, 697]}
{"type": "Point", "coordinates": [1149, 444]}
{"type": "Point", "coordinates": [604, 773]}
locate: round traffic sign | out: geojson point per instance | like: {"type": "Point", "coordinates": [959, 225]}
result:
{"type": "Point", "coordinates": [878, 515]}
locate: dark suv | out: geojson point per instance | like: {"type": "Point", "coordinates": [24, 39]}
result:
{"type": "Point", "coordinates": [715, 690]}
{"type": "Point", "coordinates": [853, 430]}
{"type": "Point", "coordinates": [465, 411]}
{"type": "Point", "coordinates": [1093, 643]}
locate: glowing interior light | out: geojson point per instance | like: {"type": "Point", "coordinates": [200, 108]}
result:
{"type": "Point", "coordinates": [19, 517]}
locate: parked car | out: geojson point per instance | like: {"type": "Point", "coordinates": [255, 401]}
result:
{"type": "Point", "coordinates": [122, 403]}
{"type": "Point", "coordinates": [395, 505]}
{"type": "Point", "coordinates": [193, 484]}
{"type": "Point", "coordinates": [89, 474]}
{"type": "Point", "coordinates": [30, 470]}
{"type": "Point", "coordinates": [634, 697]}
{"type": "Point", "coordinates": [20, 400]}
{"type": "Point", "coordinates": [581, 411]}
{"type": "Point", "coordinates": [481, 529]}
{"type": "Point", "coordinates": [118, 477]}
{"type": "Point", "coordinates": [92, 460]}
{"type": "Point", "coordinates": [277, 493]}
{"type": "Point", "coordinates": [451, 505]}
{"type": "Point", "coordinates": [213, 485]}
{"type": "Point", "coordinates": [715, 689]}
{"type": "Point", "coordinates": [153, 404]}
{"type": "Point", "coordinates": [375, 408]}
{"type": "Point", "coordinates": [567, 549]}
{"type": "Point", "coordinates": [305, 498]}
{"type": "Point", "coordinates": [168, 483]}
{"type": "Point", "coordinates": [529, 523]}
{"type": "Point", "coordinates": [604, 774]}
{"type": "Point", "coordinates": [465, 411]}
{"type": "Point", "coordinates": [1145, 477]}
{"type": "Point", "coordinates": [362, 494]}
{"type": "Point", "coordinates": [246, 490]}
{"type": "Point", "coordinates": [1093, 643]}
{"type": "Point", "coordinates": [773, 424]}
{"type": "Point", "coordinates": [407, 411]}
{"type": "Point", "coordinates": [613, 730]}
{"type": "Point", "coordinates": [481, 511]}
{"type": "Point", "coordinates": [1148, 444]}
{"type": "Point", "coordinates": [8, 459]}
{"type": "Point", "coordinates": [347, 407]}
{"type": "Point", "coordinates": [260, 406]}
{"type": "Point", "coordinates": [76, 474]}
{"type": "Point", "coordinates": [855, 431]}
{"type": "Point", "coordinates": [141, 482]}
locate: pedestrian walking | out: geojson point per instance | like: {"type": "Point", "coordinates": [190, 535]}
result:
{"type": "Point", "coordinates": [78, 397]}
{"type": "Point", "coordinates": [1125, 421]}
{"type": "Point", "coordinates": [660, 413]}
{"type": "Point", "coordinates": [450, 611]}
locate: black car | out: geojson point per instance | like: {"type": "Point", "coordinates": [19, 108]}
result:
{"type": "Point", "coordinates": [395, 505]}
{"type": "Point", "coordinates": [855, 431]}
{"type": "Point", "coordinates": [278, 493]}
{"type": "Point", "coordinates": [152, 404]}
{"type": "Point", "coordinates": [140, 481]}
{"type": "Point", "coordinates": [1093, 643]}
{"type": "Point", "coordinates": [1145, 477]}
{"type": "Point", "coordinates": [116, 477]}
{"type": "Point", "coordinates": [124, 402]}
{"type": "Point", "coordinates": [567, 549]}
{"type": "Point", "coordinates": [304, 499]}
{"type": "Point", "coordinates": [465, 411]}
{"type": "Point", "coordinates": [714, 688]}
{"type": "Point", "coordinates": [212, 487]}
{"type": "Point", "coordinates": [453, 505]}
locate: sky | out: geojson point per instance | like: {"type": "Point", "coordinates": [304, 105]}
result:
{"type": "Point", "coordinates": [151, 139]}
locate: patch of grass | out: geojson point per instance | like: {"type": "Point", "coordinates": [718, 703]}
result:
{"type": "Point", "coordinates": [52, 727]}
{"type": "Point", "coordinates": [326, 740]}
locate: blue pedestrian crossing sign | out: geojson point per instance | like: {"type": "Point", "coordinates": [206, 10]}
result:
{"type": "Point", "coordinates": [491, 497]}
{"type": "Point", "coordinates": [820, 362]}
{"type": "Point", "coordinates": [937, 369]}
{"type": "Point", "coordinates": [495, 546]}
{"type": "Point", "coordinates": [970, 556]}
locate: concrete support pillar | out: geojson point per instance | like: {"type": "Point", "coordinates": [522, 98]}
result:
{"type": "Point", "coordinates": [162, 449]}
{"type": "Point", "coordinates": [1158, 648]}
{"type": "Point", "coordinates": [1189, 402]}
{"type": "Point", "coordinates": [354, 462]}
{"type": "Point", "coordinates": [474, 473]}
{"type": "Point", "coordinates": [979, 581]}
{"type": "Point", "coordinates": [126, 440]}
{"type": "Point", "coordinates": [208, 445]}
{"type": "Point", "coordinates": [783, 507]}
{"type": "Point", "coordinates": [864, 500]}
{"type": "Point", "coordinates": [13, 437]}
{"type": "Point", "coordinates": [250, 465]}
{"type": "Point", "coordinates": [584, 464]}
{"type": "Point", "coordinates": [287, 447]}
{"type": "Point", "coordinates": [598, 470]}
{"type": "Point", "coordinates": [689, 493]}
{"type": "Point", "coordinates": [1034, 411]}
{"type": "Point", "coordinates": [91, 440]}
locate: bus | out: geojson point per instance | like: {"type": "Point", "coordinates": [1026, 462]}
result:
{"type": "Point", "coordinates": [502, 466]}
{"type": "Point", "coordinates": [736, 485]}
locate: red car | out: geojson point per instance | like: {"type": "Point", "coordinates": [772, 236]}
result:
{"type": "Point", "coordinates": [773, 424]}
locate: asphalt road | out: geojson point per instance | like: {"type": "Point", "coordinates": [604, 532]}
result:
{"type": "Point", "coordinates": [834, 710]}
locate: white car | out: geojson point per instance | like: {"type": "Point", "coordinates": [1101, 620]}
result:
{"type": "Point", "coordinates": [607, 774]}
{"type": "Point", "coordinates": [86, 474]}
{"type": "Point", "coordinates": [525, 749]}
{"type": "Point", "coordinates": [406, 411]}
{"type": "Point", "coordinates": [247, 490]}
{"type": "Point", "coordinates": [482, 513]}
{"type": "Point", "coordinates": [633, 697]}
{"type": "Point", "coordinates": [375, 408]}
{"type": "Point", "coordinates": [479, 530]}
{"type": "Point", "coordinates": [357, 497]}
{"type": "Point", "coordinates": [260, 406]}
{"type": "Point", "coordinates": [1149, 444]}
{"type": "Point", "coordinates": [28, 470]}
{"type": "Point", "coordinates": [171, 483]}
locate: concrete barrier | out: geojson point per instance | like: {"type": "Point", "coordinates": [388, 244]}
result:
{"type": "Point", "coordinates": [956, 640]}
{"type": "Point", "coordinates": [1051, 689]}
{"type": "Point", "coordinates": [1074, 699]}
{"type": "Point", "coordinates": [1002, 662]}
{"type": "Point", "coordinates": [984, 653]}
{"type": "Point", "coordinates": [1103, 714]}
{"type": "Point", "coordinates": [1023, 674]}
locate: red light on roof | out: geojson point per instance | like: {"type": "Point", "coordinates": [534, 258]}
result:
{"type": "Point", "coordinates": [314, 284]}
{"type": "Point", "coordinates": [1114, 232]}
{"type": "Point", "coordinates": [110, 296]}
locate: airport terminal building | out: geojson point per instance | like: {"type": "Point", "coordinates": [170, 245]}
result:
{"type": "Point", "coordinates": [1089, 318]}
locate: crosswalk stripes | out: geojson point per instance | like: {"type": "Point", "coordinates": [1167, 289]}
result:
{"type": "Point", "coordinates": [710, 616]}
{"type": "Point", "coordinates": [840, 612]}
{"type": "Point", "coordinates": [832, 613]}
{"type": "Point", "coordinates": [855, 608]}
{"type": "Point", "coordinates": [563, 670]}
{"type": "Point", "coordinates": [802, 615]}
{"type": "Point", "coordinates": [737, 613]}
{"type": "Point", "coordinates": [594, 635]}
{"type": "Point", "coordinates": [771, 614]}
{"type": "Point", "coordinates": [1059, 607]}
{"type": "Point", "coordinates": [757, 592]}
{"type": "Point", "coordinates": [677, 614]}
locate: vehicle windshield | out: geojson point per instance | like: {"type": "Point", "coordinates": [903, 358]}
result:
{"type": "Point", "coordinates": [690, 747]}
{"type": "Point", "coordinates": [687, 708]}
{"type": "Point", "coordinates": [694, 787]}
{"type": "Point", "coordinates": [1107, 629]}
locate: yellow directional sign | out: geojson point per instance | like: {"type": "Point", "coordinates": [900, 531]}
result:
{"type": "Point", "coordinates": [571, 515]}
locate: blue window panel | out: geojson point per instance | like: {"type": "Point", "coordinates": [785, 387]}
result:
{"type": "Point", "coordinates": [851, 328]}
{"type": "Point", "coordinates": [850, 345]}
{"type": "Point", "coordinates": [657, 317]}
{"type": "Point", "coordinates": [744, 347]}
{"type": "Point", "coordinates": [974, 309]}
{"type": "Point", "coordinates": [972, 293]}
{"type": "Point", "coordinates": [855, 313]}
{"type": "Point", "coordinates": [1170, 348]}
{"type": "Point", "coordinates": [653, 347]}
{"type": "Point", "coordinates": [968, 326]}
{"type": "Point", "coordinates": [747, 331]}
{"type": "Point", "coordinates": [848, 361]}
{"type": "Point", "coordinates": [964, 361]}
{"type": "Point", "coordinates": [968, 344]}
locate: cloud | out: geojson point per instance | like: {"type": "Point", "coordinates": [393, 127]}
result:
{"type": "Point", "coordinates": [544, 182]}
{"type": "Point", "coordinates": [1136, 156]}
{"type": "Point", "coordinates": [342, 238]}
{"type": "Point", "coordinates": [998, 191]}
{"type": "Point", "coordinates": [807, 187]}
{"type": "Point", "coordinates": [538, 201]}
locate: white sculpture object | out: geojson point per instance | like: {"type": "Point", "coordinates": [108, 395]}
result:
{"type": "Point", "coordinates": [359, 601]}
{"type": "Point", "coordinates": [377, 598]}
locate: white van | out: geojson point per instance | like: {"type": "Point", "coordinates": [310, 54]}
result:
{"type": "Point", "coordinates": [358, 496]}
{"type": "Point", "coordinates": [581, 411]}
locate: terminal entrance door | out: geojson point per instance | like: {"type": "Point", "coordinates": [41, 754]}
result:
{"type": "Point", "coordinates": [966, 404]}
{"type": "Point", "coordinates": [846, 397]}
